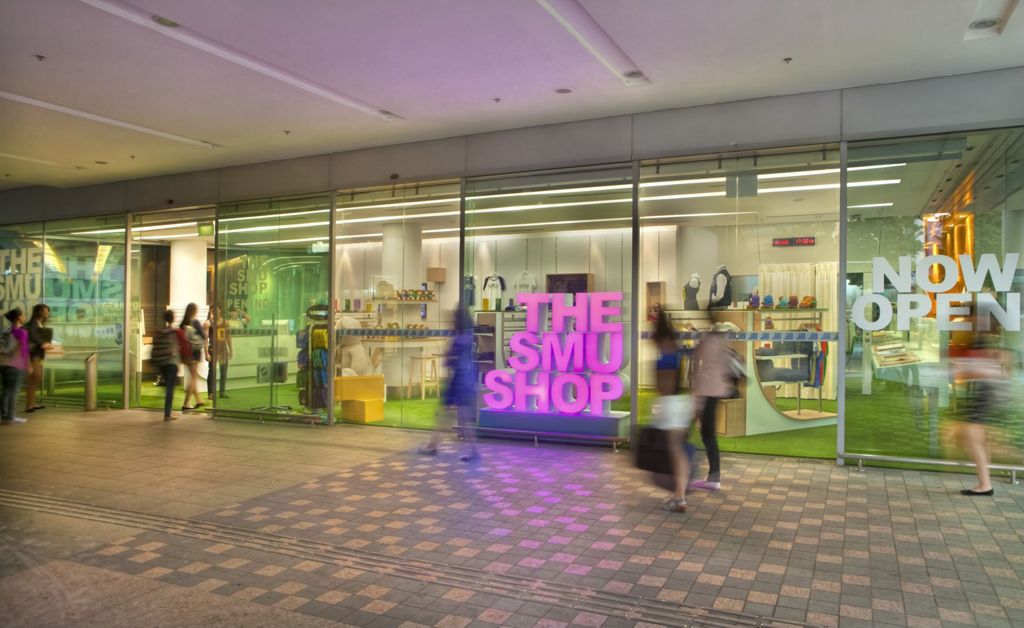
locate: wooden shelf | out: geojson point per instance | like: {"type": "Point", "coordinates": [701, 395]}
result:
{"type": "Point", "coordinates": [410, 301]}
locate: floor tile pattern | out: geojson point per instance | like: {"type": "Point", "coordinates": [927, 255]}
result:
{"type": "Point", "coordinates": [797, 541]}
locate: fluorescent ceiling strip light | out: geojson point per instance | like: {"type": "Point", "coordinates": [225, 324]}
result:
{"type": "Point", "coordinates": [436, 201]}
{"type": "Point", "coordinates": [300, 225]}
{"type": "Point", "coordinates": [387, 218]}
{"type": "Point", "coordinates": [177, 225]}
{"type": "Point", "coordinates": [267, 216]}
{"type": "Point", "coordinates": [50, 258]}
{"type": "Point", "coordinates": [601, 188]}
{"type": "Point", "coordinates": [672, 197]}
{"type": "Point", "coordinates": [296, 240]}
{"type": "Point", "coordinates": [174, 236]}
{"type": "Point", "coordinates": [828, 186]}
{"type": "Point", "coordinates": [575, 19]}
{"type": "Point", "coordinates": [811, 173]}
{"type": "Point", "coordinates": [528, 224]}
{"type": "Point", "coordinates": [591, 188]}
{"type": "Point", "coordinates": [232, 55]}
{"type": "Point", "coordinates": [78, 113]}
{"type": "Point", "coordinates": [868, 205]}
{"type": "Point", "coordinates": [703, 215]}
{"type": "Point", "coordinates": [102, 253]}
{"type": "Point", "coordinates": [656, 184]}
{"type": "Point", "coordinates": [41, 162]}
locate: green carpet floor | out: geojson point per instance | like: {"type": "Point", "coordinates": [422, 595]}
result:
{"type": "Point", "coordinates": [890, 421]}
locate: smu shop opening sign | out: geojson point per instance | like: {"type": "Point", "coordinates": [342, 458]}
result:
{"type": "Point", "coordinates": [566, 363]}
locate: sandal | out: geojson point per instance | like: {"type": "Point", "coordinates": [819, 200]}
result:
{"type": "Point", "coordinates": [674, 505]}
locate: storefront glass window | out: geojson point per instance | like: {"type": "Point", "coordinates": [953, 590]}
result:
{"type": "Point", "coordinates": [548, 278]}
{"type": "Point", "coordinates": [916, 324]}
{"type": "Point", "coordinates": [396, 287]}
{"type": "Point", "coordinates": [750, 243]}
{"type": "Point", "coordinates": [272, 277]}
{"type": "Point", "coordinates": [76, 268]}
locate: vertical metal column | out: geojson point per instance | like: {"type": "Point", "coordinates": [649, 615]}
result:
{"type": "Point", "coordinates": [127, 377]}
{"type": "Point", "coordinates": [332, 257]}
{"type": "Point", "coordinates": [462, 243]}
{"type": "Point", "coordinates": [841, 304]}
{"type": "Point", "coordinates": [634, 308]}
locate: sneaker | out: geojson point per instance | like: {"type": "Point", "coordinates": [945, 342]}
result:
{"type": "Point", "coordinates": [427, 451]}
{"type": "Point", "coordinates": [224, 396]}
{"type": "Point", "coordinates": [170, 418]}
{"type": "Point", "coordinates": [15, 420]}
{"type": "Point", "coordinates": [674, 505]}
{"type": "Point", "coordinates": [706, 485]}
{"type": "Point", "coordinates": [473, 457]}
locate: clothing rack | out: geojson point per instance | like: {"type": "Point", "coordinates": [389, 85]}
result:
{"type": "Point", "coordinates": [314, 366]}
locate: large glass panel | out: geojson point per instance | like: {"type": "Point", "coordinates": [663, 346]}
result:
{"type": "Point", "coordinates": [21, 271]}
{"type": "Point", "coordinates": [84, 284]}
{"type": "Point", "coordinates": [917, 325]}
{"type": "Point", "coordinates": [548, 276]}
{"type": "Point", "coordinates": [397, 286]}
{"type": "Point", "coordinates": [172, 259]}
{"type": "Point", "coordinates": [272, 290]}
{"type": "Point", "coordinates": [751, 242]}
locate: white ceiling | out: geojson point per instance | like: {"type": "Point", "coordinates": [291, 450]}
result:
{"type": "Point", "coordinates": [436, 63]}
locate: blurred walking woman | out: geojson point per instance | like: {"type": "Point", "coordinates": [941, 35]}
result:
{"type": "Point", "coordinates": [672, 412]}
{"type": "Point", "coordinates": [39, 338]}
{"type": "Point", "coordinates": [14, 364]}
{"type": "Point", "coordinates": [715, 370]}
{"type": "Point", "coordinates": [193, 331]}
{"type": "Point", "coordinates": [985, 366]}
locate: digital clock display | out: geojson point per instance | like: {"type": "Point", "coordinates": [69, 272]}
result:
{"type": "Point", "coordinates": [798, 241]}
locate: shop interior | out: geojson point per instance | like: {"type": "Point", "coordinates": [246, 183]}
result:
{"type": "Point", "coordinates": [750, 240]}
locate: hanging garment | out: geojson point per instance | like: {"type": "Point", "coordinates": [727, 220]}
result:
{"type": "Point", "coordinates": [524, 282]}
{"type": "Point", "coordinates": [720, 298]}
{"type": "Point", "coordinates": [690, 293]}
{"type": "Point", "coordinates": [493, 288]}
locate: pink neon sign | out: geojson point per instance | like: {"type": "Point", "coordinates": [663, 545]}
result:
{"type": "Point", "coordinates": [571, 368]}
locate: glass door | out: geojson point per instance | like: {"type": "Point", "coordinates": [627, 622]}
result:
{"type": "Point", "coordinates": [171, 258]}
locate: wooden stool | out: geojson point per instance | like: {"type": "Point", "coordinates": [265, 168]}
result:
{"type": "Point", "coordinates": [425, 380]}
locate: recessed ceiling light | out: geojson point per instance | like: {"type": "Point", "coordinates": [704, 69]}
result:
{"type": "Point", "coordinates": [563, 90]}
{"type": "Point", "coordinates": [985, 23]}
{"type": "Point", "coordinates": [163, 21]}
{"type": "Point", "coordinates": [578, 22]}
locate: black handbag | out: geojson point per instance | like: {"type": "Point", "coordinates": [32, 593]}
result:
{"type": "Point", "coordinates": [652, 450]}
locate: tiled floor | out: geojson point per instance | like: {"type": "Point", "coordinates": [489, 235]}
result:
{"type": "Point", "coordinates": [117, 518]}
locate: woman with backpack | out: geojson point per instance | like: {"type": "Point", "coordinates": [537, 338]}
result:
{"type": "Point", "coordinates": [14, 365]}
{"type": "Point", "coordinates": [168, 347]}
{"type": "Point", "coordinates": [193, 332]}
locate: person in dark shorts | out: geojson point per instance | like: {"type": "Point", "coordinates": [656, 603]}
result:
{"type": "Point", "coordinates": [39, 341]}
{"type": "Point", "coordinates": [193, 331]}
